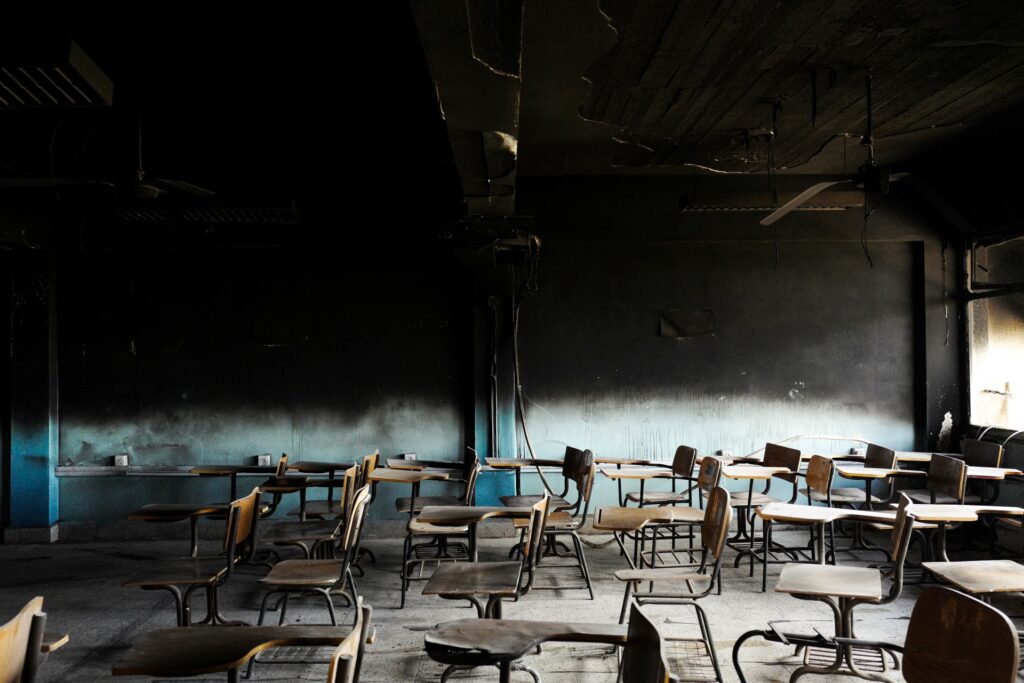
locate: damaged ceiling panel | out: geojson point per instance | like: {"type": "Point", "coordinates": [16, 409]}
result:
{"type": "Point", "coordinates": [473, 49]}
{"type": "Point", "coordinates": [663, 86]}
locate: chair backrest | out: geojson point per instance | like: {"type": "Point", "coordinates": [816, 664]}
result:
{"type": "Point", "coordinates": [349, 479]}
{"type": "Point", "coordinates": [781, 456]}
{"type": "Point", "coordinates": [470, 458]}
{"type": "Point", "coordinates": [470, 495]}
{"type": "Point", "coordinates": [947, 476]}
{"type": "Point", "coordinates": [282, 466]}
{"type": "Point", "coordinates": [18, 652]}
{"type": "Point", "coordinates": [535, 533]}
{"type": "Point", "coordinates": [682, 463]}
{"type": "Point", "coordinates": [347, 659]}
{"type": "Point", "coordinates": [709, 475]}
{"type": "Point", "coordinates": [902, 529]}
{"type": "Point", "coordinates": [880, 457]}
{"type": "Point", "coordinates": [575, 463]}
{"type": "Point", "coordinates": [820, 471]}
{"type": "Point", "coordinates": [717, 517]}
{"type": "Point", "coordinates": [367, 467]}
{"type": "Point", "coordinates": [354, 523]}
{"type": "Point", "coordinates": [955, 638]}
{"type": "Point", "coordinates": [643, 657]}
{"type": "Point", "coordinates": [241, 524]}
{"type": "Point", "coordinates": [982, 453]}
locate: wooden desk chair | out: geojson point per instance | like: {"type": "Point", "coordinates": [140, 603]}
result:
{"type": "Point", "coordinates": [876, 457]}
{"type": "Point", "coordinates": [576, 462]}
{"type": "Point", "coordinates": [320, 509]}
{"type": "Point", "coordinates": [714, 530]}
{"type": "Point", "coordinates": [494, 581]}
{"type": "Point", "coordinates": [947, 482]}
{"type": "Point", "coordinates": [24, 642]}
{"type": "Point", "coordinates": [982, 453]}
{"type": "Point", "coordinates": [469, 643]}
{"type": "Point", "coordinates": [467, 496]}
{"type": "Point", "coordinates": [207, 573]}
{"type": "Point", "coordinates": [774, 456]}
{"type": "Point", "coordinates": [842, 588]}
{"type": "Point", "coordinates": [320, 577]}
{"type": "Point", "coordinates": [567, 523]}
{"type": "Point", "coordinates": [174, 653]}
{"type": "Point", "coordinates": [281, 484]}
{"type": "Point", "coordinates": [316, 538]}
{"type": "Point", "coordinates": [682, 471]}
{"type": "Point", "coordinates": [439, 548]}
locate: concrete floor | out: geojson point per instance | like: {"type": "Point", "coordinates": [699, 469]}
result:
{"type": "Point", "coordinates": [81, 585]}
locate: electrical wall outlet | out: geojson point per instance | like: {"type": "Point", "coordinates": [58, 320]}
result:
{"type": "Point", "coordinates": [409, 456]}
{"type": "Point", "coordinates": [263, 460]}
{"type": "Point", "coordinates": [724, 452]}
{"type": "Point", "coordinates": [859, 450]}
{"type": "Point", "coordinates": [121, 460]}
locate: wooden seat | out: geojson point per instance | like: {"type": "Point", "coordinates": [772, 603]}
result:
{"type": "Point", "coordinates": [557, 502]}
{"type": "Point", "coordinates": [841, 496]}
{"type": "Point", "coordinates": [482, 642]}
{"type": "Point", "coordinates": [475, 578]}
{"type": "Point", "coordinates": [22, 640]}
{"type": "Point", "coordinates": [197, 652]}
{"type": "Point", "coordinates": [682, 470]}
{"type": "Point", "coordinates": [304, 573]}
{"type": "Point", "coordinates": [318, 577]}
{"type": "Point", "coordinates": [980, 577]}
{"type": "Point", "coordinates": [816, 579]}
{"type": "Point", "coordinates": [493, 581]}
{"type": "Point", "coordinates": [419, 528]}
{"type": "Point", "coordinates": [207, 573]}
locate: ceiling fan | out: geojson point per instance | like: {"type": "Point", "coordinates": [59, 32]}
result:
{"type": "Point", "coordinates": [870, 176]}
{"type": "Point", "coordinates": [144, 187]}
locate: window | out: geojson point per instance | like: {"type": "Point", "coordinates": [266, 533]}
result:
{"type": "Point", "coordinates": [996, 334]}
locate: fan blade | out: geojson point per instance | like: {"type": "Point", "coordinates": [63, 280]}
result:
{"type": "Point", "coordinates": [796, 201]}
{"type": "Point", "coordinates": [183, 186]}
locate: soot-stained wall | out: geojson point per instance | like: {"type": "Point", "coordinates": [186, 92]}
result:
{"type": "Point", "coordinates": [179, 358]}
{"type": "Point", "coordinates": [809, 336]}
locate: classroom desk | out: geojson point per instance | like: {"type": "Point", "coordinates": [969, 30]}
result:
{"type": "Point", "coordinates": [177, 512]}
{"type": "Point", "coordinates": [232, 471]}
{"type": "Point", "coordinates": [469, 515]}
{"type": "Point", "coordinates": [812, 515]}
{"type": "Point", "coordinates": [517, 465]}
{"type": "Point", "coordinates": [621, 522]}
{"type": "Point", "coordinates": [942, 515]}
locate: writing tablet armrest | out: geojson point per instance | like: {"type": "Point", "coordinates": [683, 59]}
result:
{"type": "Point", "coordinates": [53, 641]}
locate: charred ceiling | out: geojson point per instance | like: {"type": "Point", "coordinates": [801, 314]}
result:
{"type": "Point", "coordinates": [623, 86]}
